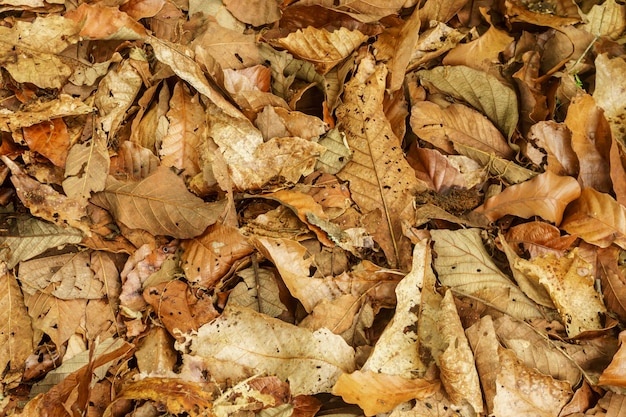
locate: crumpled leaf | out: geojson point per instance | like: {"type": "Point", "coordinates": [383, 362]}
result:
{"type": "Point", "coordinates": [310, 361]}
{"type": "Point", "coordinates": [570, 283]}
{"type": "Point", "coordinates": [51, 139]}
{"type": "Point", "coordinates": [523, 391]}
{"type": "Point", "coordinates": [396, 351]}
{"type": "Point", "coordinates": [546, 195]}
{"type": "Point", "coordinates": [44, 201]}
{"type": "Point", "coordinates": [463, 264]}
{"type": "Point", "coordinates": [443, 127]}
{"type": "Point", "coordinates": [553, 139]}
{"type": "Point", "coordinates": [87, 168]}
{"type": "Point", "coordinates": [98, 21]}
{"type": "Point", "coordinates": [29, 50]}
{"type": "Point", "coordinates": [597, 218]}
{"type": "Point", "coordinates": [615, 373]}
{"type": "Point", "coordinates": [32, 237]}
{"type": "Point", "coordinates": [481, 90]}
{"type": "Point", "coordinates": [322, 48]}
{"type": "Point", "coordinates": [159, 204]}
{"type": "Point", "coordinates": [379, 393]}
{"type": "Point", "coordinates": [16, 334]}
{"type": "Point", "coordinates": [376, 164]}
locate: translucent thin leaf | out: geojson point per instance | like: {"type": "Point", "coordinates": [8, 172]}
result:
{"type": "Point", "coordinates": [481, 90]}
{"type": "Point", "coordinates": [310, 361]}
{"type": "Point", "coordinates": [159, 204]}
{"type": "Point", "coordinates": [597, 218]}
{"type": "Point", "coordinates": [33, 237]}
{"type": "Point", "coordinates": [546, 195]}
{"type": "Point", "coordinates": [463, 264]}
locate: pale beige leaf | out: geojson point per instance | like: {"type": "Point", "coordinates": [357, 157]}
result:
{"type": "Point", "coordinates": [363, 10]}
{"type": "Point", "coordinates": [610, 92]}
{"type": "Point", "coordinates": [179, 59]}
{"type": "Point", "coordinates": [116, 93]}
{"type": "Point", "coordinates": [561, 360]}
{"type": "Point", "coordinates": [86, 168]}
{"type": "Point", "coordinates": [186, 128]}
{"type": "Point", "coordinates": [16, 334]}
{"type": "Point", "coordinates": [481, 90]}
{"type": "Point", "coordinates": [440, 11]}
{"type": "Point", "coordinates": [41, 111]}
{"type": "Point", "coordinates": [337, 315]}
{"type": "Point", "coordinates": [484, 342]}
{"type": "Point", "coordinates": [29, 49]}
{"type": "Point", "coordinates": [310, 361]}
{"type": "Point", "coordinates": [546, 195]}
{"type": "Point", "coordinates": [254, 12]}
{"type": "Point", "coordinates": [231, 49]}
{"type": "Point", "coordinates": [159, 204]}
{"type": "Point", "coordinates": [456, 362]}
{"type": "Point", "coordinates": [570, 283]}
{"type": "Point", "coordinates": [379, 393]}
{"type": "Point", "coordinates": [252, 162]}
{"type": "Point", "coordinates": [523, 391]}
{"type": "Point", "coordinates": [337, 154]}
{"type": "Point", "coordinates": [258, 291]}
{"type": "Point", "coordinates": [438, 170]}
{"type": "Point", "coordinates": [44, 201]}
{"type": "Point", "coordinates": [67, 276]}
{"type": "Point", "coordinates": [279, 121]}
{"type": "Point", "coordinates": [155, 353]}
{"type": "Point", "coordinates": [31, 237]}
{"type": "Point", "coordinates": [322, 48]}
{"type": "Point", "coordinates": [497, 167]}
{"type": "Point", "coordinates": [57, 318]}
{"type": "Point", "coordinates": [597, 218]}
{"type": "Point", "coordinates": [380, 177]}
{"type": "Point", "coordinates": [464, 264]}
{"type": "Point", "coordinates": [207, 258]}
{"type": "Point", "coordinates": [606, 19]}
{"type": "Point", "coordinates": [396, 351]}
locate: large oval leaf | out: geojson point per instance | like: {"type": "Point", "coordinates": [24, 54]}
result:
{"type": "Point", "coordinates": [159, 204]}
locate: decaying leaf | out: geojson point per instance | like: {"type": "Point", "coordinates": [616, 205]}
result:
{"type": "Point", "coordinates": [258, 291]}
{"type": "Point", "coordinates": [160, 204]}
{"type": "Point", "coordinates": [87, 168]}
{"type": "Point", "coordinates": [310, 361]}
{"type": "Point", "coordinates": [570, 283]}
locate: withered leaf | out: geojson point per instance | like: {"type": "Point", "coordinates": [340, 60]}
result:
{"type": "Point", "coordinates": [159, 204]}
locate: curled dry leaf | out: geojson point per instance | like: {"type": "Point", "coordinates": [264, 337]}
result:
{"type": "Point", "coordinates": [443, 127]}
{"type": "Point", "coordinates": [553, 148]}
{"type": "Point", "coordinates": [322, 48]}
{"type": "Point", "coordinates": [159, 204]}
{"type": "Point", "coordinates": [570, 283]}
{"type": "Point", "coordinates": [545, 196]}
{"type": "Point", "coordinates": [481, 90]}
{"type": "Point", "coordinates": [615, 373]}
{"type": "Point", "coordinates": [597, 218]}
{"type": "Point", "coordinates": [379, 393]}
{"type": "Point", "coordinates": [101, 22]}
{"type": "Point", "coordinates": [310, 361]}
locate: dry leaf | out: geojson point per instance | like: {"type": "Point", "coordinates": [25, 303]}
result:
{"type": "Point", "coordinates": [463, 264]}
{"type": "Point", "coordinates": [606, 19]}
{"type": "Point", "coordinates": [597, 218]}
{"type": "Point", "coordinates": [310, 361]}
{"type": "Point", "coordinates": [231, 49]}
{"type": "Point", "coordinates": [155, 353]}
{"type": "Point", "coordinates": [444, 127]}
{"type": "Point", "coordinates": [481, 90]}
{"type": "Point", "coordinates": [497, 167]}
{"type": "Point", "coordinates": [615, 374]}
{"type": "Point", "coordinates": [480, 53]}
{"type": "Point", "coordinates": [16, 334]}
{"type": "Point", "coordinates": [376, 164]}
{"type": "Point", "coordinates": [100, 22]}
{"type": "Point", "coordinates": [379, 393]}
{"type": "Point", "coordinates": [553, 139]}
{"type": "Point", "coordinates": [255, 12]}
{"type": "Point", "coordinates": [484, 342]}
{"type": "Point", "coordinates": [160, 204]}
{"type": "Point", "coordinates": [87, 168]}
{"type": "Point", "coordinates": [51, 139]}
{"type": "Point", "coordinates": [570, 283]}
{"type": "Point", "coordinates": [440, 11]}
{"type": "Point", "coordinates": [546, 195]}
{"type": "Point", "coordinates": [57, 318]}
{"type": "Point", "coordinates": [258, 291]}
{"type": "Point", "coordinates": [613, 281]}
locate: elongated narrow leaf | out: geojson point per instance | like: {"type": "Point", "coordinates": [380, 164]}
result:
{"type": "Point", "coordinates": [463, 264]}
{"type": "Point", "coordinates": [545, 196]}
{"type": "Point", "coordinates": [483, 91]}
{"type": "Point", "coordinates": [380, 177]}
{"type": "Point", "coordinates": [159, 204]}
{"type": "Point", "coordinates": [597, 218]}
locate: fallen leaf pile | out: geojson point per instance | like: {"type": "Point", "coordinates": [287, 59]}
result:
{"type": "Point", "coordinates": [313, 207]}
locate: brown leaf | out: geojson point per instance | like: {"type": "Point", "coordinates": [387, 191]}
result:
{"type": "Point", "coordinates": [51, 139]}
{"type": "Point", "coordinates": [169, 301]}
{"type": "Point", "coordinates": [613, 281]}
{"type": "Point", "coordinates": [380, 393]}
{"type": "Point", "coordinates": [376, 164]}
{"type": "Point", "coordinates": [480, 53]}
{"type": "Point", "coordinates": [615, 373]}
{"type": "Point", "coordinates": [159, 204]}
{"type": "Point", "coordinates": [57, 318]}
{"type": "Point", "coordinates": [155, 353]}
{"type": "Point", "coordinates": [553, 139]}
{"type": "Point", "coordinates": [457, 124]}
{"type": "Point", "coordinates": [254, 12]}
{"type": "Point", "coordinates": [545, 196]}
{"type": "Point", "coordinates": [597, 218]}
{"type": "Point", "coordinates": [87, 168]}
{"type": "Point", "coordinates": [440, 11]}
{"type": "Point", "coordinates": [484, 342]}
{"type": "Point", "coordinates": [100, 22]}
